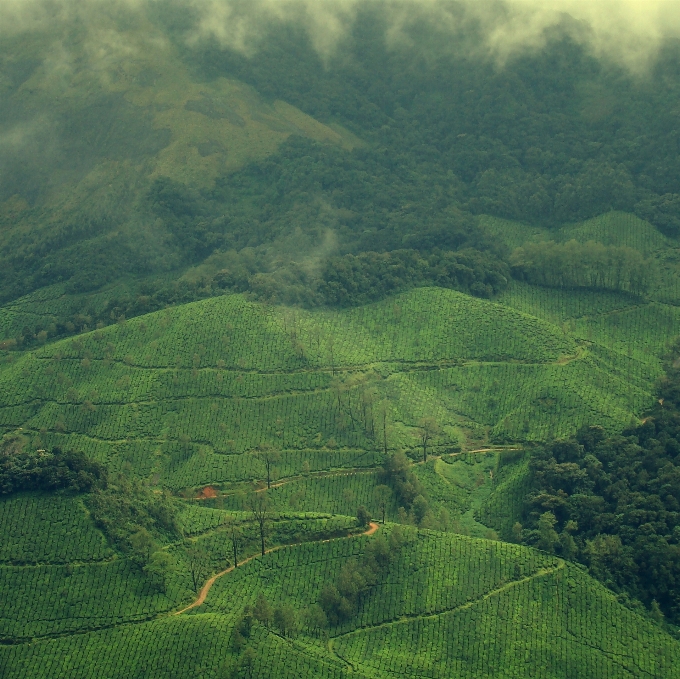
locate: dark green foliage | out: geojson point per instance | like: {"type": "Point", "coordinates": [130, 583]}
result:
{"type": "Point", "coordinates": [397, 474]}
{"type": "Point", "coordinates": [242, 630]}
{"type": "Point", "coordinates": [370, 276]}
{"type": "Point", "coordinates": [24, 469]}
{"type": "Point", "coordinates": [363, 516]}
{"type": "Point", "coordinates": [583, 265]}
{"type": "Point", "coordinates": [554, 136]}
{"type": "Point", "coordinates": [285, 620]}
{"type": "Point", "coordinates": [612, 502]}
{"type": "Point", "coordinates": [262, 610]}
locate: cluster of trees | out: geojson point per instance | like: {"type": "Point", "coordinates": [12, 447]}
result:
{"type": "Point", "coordinates": [284, 619]}
{"type": "Point", "coordinates": [340, 599]}
{"type": "Point", "coordinates": [401, 485]}
{"type": "Point", "coordinates": [22, 468]}
{"type": "Point", "coordinates": [370, 276]}
{"type": "Point", "coordinates": [613, 503]}
{"type": "Point", "coordinates": [133, 517]}
{"type": "Point", "coordinates": [583, 265]}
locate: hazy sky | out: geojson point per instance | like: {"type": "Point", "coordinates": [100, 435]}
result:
{"type": "Point", "coordinates": [629, 31]}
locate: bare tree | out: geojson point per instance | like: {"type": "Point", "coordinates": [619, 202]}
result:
{"type": "Point", "coordinates": [269, 456]}
{"type": "Point", "coordinates": [198, 564]}
{"type": "Point", "coordinates": [259, 506]}
{"type": "Point", "coordinates": [428, 429]}
{"type": "Point", "coordinates": [235, 536]}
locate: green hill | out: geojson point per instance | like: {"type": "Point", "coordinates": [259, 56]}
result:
{"type": "Point", "coordinates": [471, 607]}
{"type": "Point", "coordinates": [180, 396]}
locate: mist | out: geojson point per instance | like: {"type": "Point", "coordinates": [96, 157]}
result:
{"type": "Point", "coordinates": [629, 32]}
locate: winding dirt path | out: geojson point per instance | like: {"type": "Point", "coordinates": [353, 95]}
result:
{"type": "Point", "coordinates": [351, 471]}
{"type": "Point", "coordinates": [372, 528]}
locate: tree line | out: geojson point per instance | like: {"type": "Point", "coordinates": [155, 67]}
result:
{"type": "Point", "coordinates": [583, 265]}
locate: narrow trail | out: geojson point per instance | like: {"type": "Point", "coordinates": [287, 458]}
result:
{"type": "Point", "coordinates": [350, 471]}
{"type": "Point", "coordinates": [468, 604]}
{"type": "Point", "coordinates": [372, 528]}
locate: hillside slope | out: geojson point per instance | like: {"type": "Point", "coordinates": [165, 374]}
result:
{"type": "Point", "coordinates": [472, 608]}
{"type": "Point", "coordinates": [178, 397]}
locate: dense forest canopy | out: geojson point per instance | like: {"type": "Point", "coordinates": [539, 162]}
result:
{"type": "Point", "coordinates": [443, 130]}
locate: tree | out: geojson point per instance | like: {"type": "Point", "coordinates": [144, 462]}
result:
{"type": "Point", "coordinates": [546, 532]}
{"type": "Point", "coordinates": [143, 546]}
{"type": "Point", "coordinates": [420, 509]}
{"type": "Point", "coordinates": [259, 506]}
{"type": "Point", "coordinates": [235, 536]}
{"type": "Point", "coordinates": [285, 619]}
{"type": "Point", "coordinates": [568, 545]}
{"type": "Point", "coordinates": [198, 564]}
{"type": "Point", "coordinates": [363, 517]}
{"type": "Point", "coordinates": [427, 430]}
{"type": "Point", "coordinates": [160, 565]}
{"type": "Point", "coordinates": [247, 660]}
{"type": "Point", "coordinates": [656, 613]}
{"type": "Point", "coordinates": [396, 472]}
{"type": "Point", "coordinates": [269, 456]}
{"type": "Point", "coordinates": [383, 497]}
{"type": "Point", "coordinates": [262, 611]}
{"type": "Point", "coordinates": [335, 606]}
{"type": "Point", "coordinates": [517, 532]}
{"type": "Point", "coordinates": [314, 618]}
{"type": "Point", "coordinates": [377, 554]}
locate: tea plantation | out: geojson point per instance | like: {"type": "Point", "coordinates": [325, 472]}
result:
{"type": "Point", "coordinates": [201, 403]}
{"type": "Point", "coordinates": [446, 606]}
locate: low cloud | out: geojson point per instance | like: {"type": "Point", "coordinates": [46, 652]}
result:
{"type": "Point", "coordinates": [630, 32]}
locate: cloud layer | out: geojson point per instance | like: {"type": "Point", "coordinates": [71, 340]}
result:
{"type": "Point", "coordinates": [629, 31]}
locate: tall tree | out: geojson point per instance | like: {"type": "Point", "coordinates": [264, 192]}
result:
{"type": "Point", "coordinates": [235, 536]}
{"type": "Point", "coordinates": [259, 506]}
{"type": "Point", "coordinates": [383, 496]}
{"type": "Point", "coordinates": [269, 456]}
{"type": "Point", "coordinates": [427, 430]}
{"type": "Point", "coordinates": [198, 564]}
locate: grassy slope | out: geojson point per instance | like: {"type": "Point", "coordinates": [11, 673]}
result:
{"type": "Point", "coordinates": [92, 120]}
{"type": "Point", "coordinates": [61, 577]}
{"type": "Point", "coordinates": [138, 395]}
{"type": "Point", "coordinates": [180, 397]}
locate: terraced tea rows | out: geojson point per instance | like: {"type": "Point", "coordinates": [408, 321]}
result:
{"type": "Point", "coordinates": [179, 396]}
{"type": "Point", "coordinates": [40, 529]}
